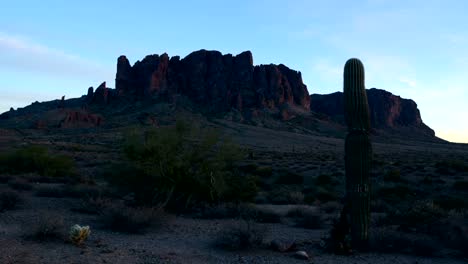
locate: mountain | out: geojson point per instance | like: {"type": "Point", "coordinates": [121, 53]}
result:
{"type": "Point", "coordinates": [219, 86]}
{"type": "Point", "coordinates": [218, 82]}
{"type": "Point", "coordinates": [387, 111]}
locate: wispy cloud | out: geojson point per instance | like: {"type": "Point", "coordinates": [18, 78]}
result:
{"type": "Point", "coordinates": [407, 81]}
{"type": "Point", "coordinates": [21, 54]}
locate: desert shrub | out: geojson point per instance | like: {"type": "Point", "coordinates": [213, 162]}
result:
{"type": "Point", "coordinates": [126, 219]}
{"type": "Point", "coordinates": [285, 194]}
{"type": "Point", "coordinates": [50, 191]}
{"type": "Point", "coordinates": [20, 184]}
{"type": "Point", "coordinates": [331, 207]}
{"type": "Point", "coordinates": [427, 180]}
{"type": "Point", "coordinates": [306, 217]}
{"type": "Point", "coordinates": [451, 203]}
{"type": "Point", "coordinates": [321, 195]}
{"type": "Point", "coordinates": [288, 177]}
{"type": "Point", "coordinates": [379, 206]}
{"type": "Point", "coordinates": [5, 178]}
{"type": "Point", "coordinates": [394, 193]}
{"type": "Point", "coordinates": [241, 235]}
{"type": "Point", "coordinates": [325, 180]}
{"type": "Point", "coordinates": [421, 216]}
{"type": "Point", "coordinates": [393, 176]}
{"type": "Point", "coordinates": [182, 165]}
{"type": "Point", "coordinates": [47, 226]}
{"type": "Point", "coordinates": [218, 211]}
{"type": "Point", "coordinates": [461, 186]}
{"type": "Point", "coordinates": [259, 214]}
{"type": "Point", "coordinates": [81, 191]}
{"type": "Point", "coordinates": [36, 159]}
{"type": "Point", "coordinates": [451, 167]}
{"type": "Point", "coordinates": [9, 200]}
{"type": "Point", "coordinates": [92, 205]}
{"type": "Point", "coordinates": [453, 231]}
{"type": "Point", "coordinates": [388, 240]}
{"type": "Point", "coordinates": [263, 171]}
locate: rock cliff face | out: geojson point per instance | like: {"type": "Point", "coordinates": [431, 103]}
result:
{"type": "Point", "coordinates": [386, 110]}
{"type": "Point", "coordinates": [211, 79]}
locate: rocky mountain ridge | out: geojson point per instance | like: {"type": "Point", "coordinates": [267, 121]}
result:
{"type": "Point", "coordinates": [220, 83]}
{"type": "Point", "coordinates": [387, 111]}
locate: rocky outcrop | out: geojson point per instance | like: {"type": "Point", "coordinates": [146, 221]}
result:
{"type": "Point", "coordinates": [216, 81]}
{"type": "Point", "coordinates": [80, 119]}
{"type": "Point", "coordinates": [101, 95]}
{"type": "Point", "coordinates": [386, 110]}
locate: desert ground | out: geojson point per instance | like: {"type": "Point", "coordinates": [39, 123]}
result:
{"type": "Point", "coordinates": [419, 203]}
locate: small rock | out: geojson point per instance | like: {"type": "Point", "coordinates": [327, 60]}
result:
{"type": "Point", "coordinates": [282, 245]}
{"type": "Point", "coordinates": [301, 255]}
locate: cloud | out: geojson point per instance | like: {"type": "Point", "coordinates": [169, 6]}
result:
{"type": "Point", "coordinates": [407, 81]}
{"type": "Point", "coordinates": [18, 53]}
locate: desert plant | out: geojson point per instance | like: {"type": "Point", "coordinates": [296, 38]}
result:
{"type": "Point", "coordinates": [36, 159]}
{"type": "Point", "coordinates": [241, 235]}
{"type": "Point", "coordinates": [48, 226]}
{"type": "Point", "coordinates": [461, 186]}
{"type": "Point", "coordinates": [393, 176]}
{"type": "Point", "coordinates": [50, 191]}
{"type": "Point", "coordinates": [306, 217]}
{"type": "Point", "coordinates": [20, 184]}
{"type": "Point", "coordinates": [288, 177]}
{"type": "Point", "coordinates": [259, 214]}
{"type": "Point", "coordinates": [181, 165]}
{"type": "Point", "coordinates": [126, 219]}
{"type": "Point", "coordinates": [9, 200]}
{"type": "Point", "coordinates": [388, 240]}
{"type": "Point", "coordinates": [78, 234]}
{"type": "Point", "coordinates": [358, 152]}
{"type": "Point", "coordinates": [92, 205]}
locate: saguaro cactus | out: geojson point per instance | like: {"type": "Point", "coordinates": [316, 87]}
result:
{"type": "Point", "coordinates": [358, 153]}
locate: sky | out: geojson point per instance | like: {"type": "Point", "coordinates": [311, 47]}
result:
{"type": "Point", "coordinates": [416, 49]}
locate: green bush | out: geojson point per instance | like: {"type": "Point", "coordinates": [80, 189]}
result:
{"type": "Point", "coordinates": [181, 165]}
{"type": "Point", "coordinates": [36, 159]}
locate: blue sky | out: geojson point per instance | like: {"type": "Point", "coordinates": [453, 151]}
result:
{"type": "Point", "coordinates": [417, 49]}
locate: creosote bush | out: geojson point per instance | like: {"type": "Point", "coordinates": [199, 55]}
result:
{"type": "Point", "coordinates": [182, 165]}
{"type": "Point", "coordinates": [241, 235]}
{"type": "Point", "coordinates": [306, 217]}
{"type": "Point", "coordinates": [48, 226]}
{"type": "Point", "coordinates": [9, 200]}
{"type": "Point", "coordinates": [36, 159]}
{"type": "Point", "coordinates": [121, 218]}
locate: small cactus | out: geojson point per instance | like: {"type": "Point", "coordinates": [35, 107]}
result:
{"type": "Point", "coordinates": [78, 234]}
{"type": "Point", "coordinates": [358, 153]}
